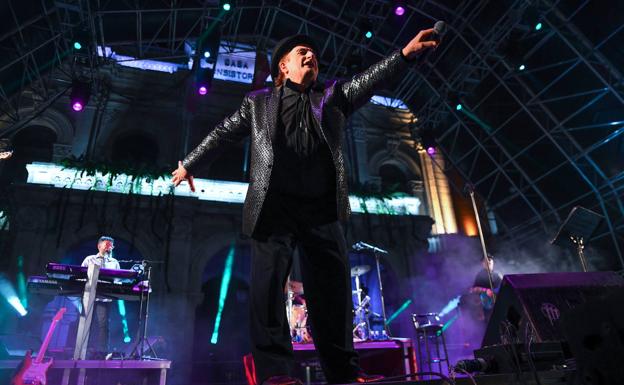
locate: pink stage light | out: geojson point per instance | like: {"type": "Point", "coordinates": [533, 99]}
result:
{"type": "Point", "coordinates": [431, 150]}
{"type": "Point", "coordinates": [202, 90]}
{"type": "Point", "coordinates": [399, 10]}
{"type": "Point", "coordinates": [77, 106]}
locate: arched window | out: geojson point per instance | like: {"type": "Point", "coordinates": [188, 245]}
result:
{"type": "Point", "coordinates": [393, 178]}
{"type": "Point", "coordinates": [30, 144]}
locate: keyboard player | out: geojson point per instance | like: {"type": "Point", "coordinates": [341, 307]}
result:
{"type": "Point", "coordinates": [104, 258]}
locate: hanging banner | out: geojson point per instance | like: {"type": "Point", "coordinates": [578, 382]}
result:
{"type": "Point", "coordinates": [235, 63]}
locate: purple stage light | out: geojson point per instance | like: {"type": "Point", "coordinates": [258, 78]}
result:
{"type": "Point", "coordinates": [399, 10]}
{"type": "Point", "coordinates": [431, 150]}
{"type": "Point", "coordinates": [77, 106]}
{"type": "Point", "coordinates": [202, 90]}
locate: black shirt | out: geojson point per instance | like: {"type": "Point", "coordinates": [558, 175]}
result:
{"type": "Point", "coordinates": [482, 280]}
{"type": "Point", "coordinates": [303, 163]}
{"type": "Point", "coordinates": [303, 182]}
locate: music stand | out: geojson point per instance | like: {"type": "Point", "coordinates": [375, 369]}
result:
{"type": "Point", "coordinates": [577, 230]}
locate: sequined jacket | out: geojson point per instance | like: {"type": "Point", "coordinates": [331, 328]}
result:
{"type": "Point", "coordinates": [257, 116]}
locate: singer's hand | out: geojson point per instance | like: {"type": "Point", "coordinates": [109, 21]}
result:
{"type": "Point", "coordinates": [419, 43]}
{"type": "Point", "coordinates": [181, 174]}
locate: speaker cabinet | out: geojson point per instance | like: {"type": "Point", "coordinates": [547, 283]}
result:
{"type": "Point", "coordinates": [539, 300]}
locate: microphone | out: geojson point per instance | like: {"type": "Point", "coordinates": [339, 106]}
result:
{"type": "Point", "coordinates": [365, 246]}
{"type": "Point", "coordinates": [439, 28]}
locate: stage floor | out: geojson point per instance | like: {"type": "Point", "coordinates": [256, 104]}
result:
{"type": "Point", "coordinates": [101, 372]}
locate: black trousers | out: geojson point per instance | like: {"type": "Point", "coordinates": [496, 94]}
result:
{"type": "Point", "coordinates": [99, 329]}
{"type": "Point", "coordinates": [327, 285]}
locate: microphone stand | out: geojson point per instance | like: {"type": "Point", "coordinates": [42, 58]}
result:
{"type": "Point", "coordinates": [485, 253]}
{"type": "Point", "coordinates": [376, 251]}
{"type": "Point", "coordinates": [139, 347]}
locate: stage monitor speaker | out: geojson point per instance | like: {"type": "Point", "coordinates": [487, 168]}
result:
{"type": "Point", "coordinates": [595, 335]}
{"type": "Point", "coordinates": [539, 300]}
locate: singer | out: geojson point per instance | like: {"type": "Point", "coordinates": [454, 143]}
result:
{"type": "Point", "coordinates": [297, 197]}
{"type": "Point", "coordinates": [104, 259]}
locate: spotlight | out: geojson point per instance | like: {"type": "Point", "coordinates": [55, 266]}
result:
{"type": "Point", "coordinates": [368, 34]}
{"type": "Point", "coordinates": [226, 5]}
{"type": "Point", "coordinates": [399, 10]}
{"type": "Point", "coordinates": [207, 54]}
{"type": "Point", "coordinates": [428, 141]}
{"type": "Point", "coordinates": [77, 106]}
{"type": "Point", "coordinates": [80, 40]}
{"type": "Point", "coordinates": [17, 305]}
{"type": "Point", "coordinates": [7, 291]}
{"type": "Point", "coordinates": [458, 107]}
{"type": "Point", "coordinates": [538, 26]}
{"type": "Point", "coordinates": [522, 67]}
{"type": "Point", "coordinates": [202, 90]}
{"type": "Point", "coordinates": [80, 93]}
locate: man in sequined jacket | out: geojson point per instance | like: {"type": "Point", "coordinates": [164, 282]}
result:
{"type": "Point", "coordinates": [297, 198]}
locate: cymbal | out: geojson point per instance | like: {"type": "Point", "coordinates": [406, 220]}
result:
{"type": "Point", "coordinates": [295, 287]}
{"type": "Point", "coordinates": [360, 270]}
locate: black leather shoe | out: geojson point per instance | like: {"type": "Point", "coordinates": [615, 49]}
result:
{"type": "Point", "coordinates": [362, 377]}
{"type": "Point", "coordinates": [282, 380]}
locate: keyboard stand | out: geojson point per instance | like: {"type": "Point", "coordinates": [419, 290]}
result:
{"type": "Point", "coordinates": [84, 323]}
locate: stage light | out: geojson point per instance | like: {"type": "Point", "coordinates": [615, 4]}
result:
{"type": "Point", "coordinates": [8, 292]}
{"type": "Point", "coordinates": [450, 306]}
{"type": "Point", "coordinates": [399, 10]}
{"type": "Point", "coordinates": [121, 306]}
{"type": "Point", "coordinates": [227, 6]}
{"type": "Point", "coordinates": [522, 67]}
{"type": "Point", "coordinates": [398, 311]}
{"type": "Point", "coordinates": [80, 38]}
{"type": "Point", "coordinates": [17, 305]}
{"type": "Point", "coordinates": [448, 324]}
{"type": "Point", "coordinates": [538, 26]}
{"type": "Point", "coordinates": [368, 34]}
{"type": "Point", "coordinates": [458, 107]}
{"type": "Point", "coordinates": [428, 140]}
{"type": "Point", "coordinates": [202, 90]}
{"type": "Point", "coordinates": [80, 93]}
{"type": "Point", "coordinates": [225, 283]}
{"type": "Point", "coordinates": [207, 54]}
{"type": "Point", "coordinates": [21, 281]}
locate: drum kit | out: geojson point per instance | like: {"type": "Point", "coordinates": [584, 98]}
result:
{"type": "Point", "coordinates": [297, 313]}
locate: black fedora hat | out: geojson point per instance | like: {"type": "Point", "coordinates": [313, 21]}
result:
{"type": "Point", "coordinates": [285, 45]}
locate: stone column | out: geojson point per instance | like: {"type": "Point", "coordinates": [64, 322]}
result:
{"type": "Point", "coordinates": [417, 189]}
{"type": "Point", "coordinates": [439, 200]}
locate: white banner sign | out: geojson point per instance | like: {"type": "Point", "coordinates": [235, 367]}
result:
{"type": "Point", "coordinates": [235, 65]}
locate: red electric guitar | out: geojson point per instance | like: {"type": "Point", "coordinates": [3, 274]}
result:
{"type": "Point", "coordinates": [34, 372]}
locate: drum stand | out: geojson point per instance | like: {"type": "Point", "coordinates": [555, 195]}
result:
{"type": "Point", "coordinates": [360, 313]}
{"type": "Point", "coordinates": [359, 246]}
{"type": "Point", "coordinates": [138, 352]}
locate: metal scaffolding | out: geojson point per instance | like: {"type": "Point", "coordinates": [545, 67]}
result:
{"type": "Point", "coordinates": [542, 112]}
